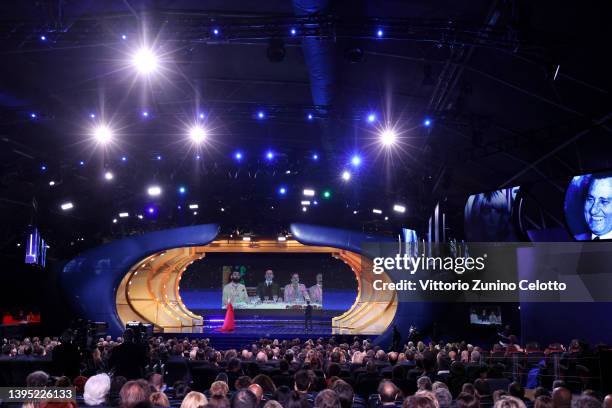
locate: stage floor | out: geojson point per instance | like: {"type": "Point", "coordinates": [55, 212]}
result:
{"type": "Point", "coordinates": [261, 328]}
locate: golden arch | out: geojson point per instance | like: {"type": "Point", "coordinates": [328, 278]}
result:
{"type": "Point", "coordinates": [149, 292]}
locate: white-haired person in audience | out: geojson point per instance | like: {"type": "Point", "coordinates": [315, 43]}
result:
{"type": "Point", "coordinates": [96, 390]}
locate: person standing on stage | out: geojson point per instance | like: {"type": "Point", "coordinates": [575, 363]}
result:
{"type": "Point", "coordinates": [316, 291]}
{"type": "Point", "coordinates": [296, 292]}
{"type": "Point", "coordinates": [308, 316]}
{"type": "Point", "coordinates": [234, 292]}
{"type": "Point", "coordinates": [268, 289]}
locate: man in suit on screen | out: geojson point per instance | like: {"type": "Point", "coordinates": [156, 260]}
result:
{"type": "Point", "coordinates": [268, 289]}
{"type": "Point", "coordinates": [598, 209]}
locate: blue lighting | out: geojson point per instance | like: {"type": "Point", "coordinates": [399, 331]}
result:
{"type": "Point", "coordinates": [92, 115]}
{"type": "Point", "coordinates": [158, 157]}
{"type": "Point", "coordinates": [43, 38]}
{"type": "Point", "coordinates": [282, 190]}
{"type": "Point", "coordinates": [145, 114]}
{"type": "Point", "coordinates": [315, 202]}
{"type": "Point", "coordinates": [310, 117]}
{"type": "Point", "coordinates": [198, 157]}
{"type": "Point", "coordinates": [356, 160]}
{"type": "Point", "coordinates": [201, 116]}
{"type": "Point", "coordinates": [238, 156]}
{"type": "Point", "coordinates": [269, 155]}
{"type": "Point", "coordinates": [33, 115]}
{"type": "Point", "coordinates": [216, 31]}
{"type": "Point", "coordinates": [43, 168]}
{"type": "Point", "coordinates": [371, 117]}
{"type": "Point", "coordinates": [81, 163]}
{"type": "Point", "coordinates": [123, 158]}
{"type": "Point", "coordinates": [261, 115]}
{"type": "Point", "coordinates": [293, 31]}
{"type": "Point", "coordinates": [123, 37]}
{"type": "Point", "coordinates": [315, 156]}
{"type": "Point", "coordinates": [151, 210]}
{"type": "Point", "coordinates": [427, 122]}
{"type": "Point", "coordinates": [380, 33]}
{"type": "Point", "coordinates": [182, 190]}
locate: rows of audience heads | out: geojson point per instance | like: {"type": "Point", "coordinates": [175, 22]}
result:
{"type": "Point", "coordinates": [320, 373]}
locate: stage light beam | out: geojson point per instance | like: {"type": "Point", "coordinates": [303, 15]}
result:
{"type": "Point", "coordinates": [198, 134]}
{"type": "Point", "coordinates": [145, 61]}
{"type": "Point", "coordinates": [399, 208]}
{"type": "Point", "coordinates": [67, 206]}
{"type": "Point", "coordinates": [102, 134]}
{"type": "Point", "coordinates": [154, 191]}
{"type": "Point", "coordinates": [388, 137]}
{"type": "Point", "coordinates": [346, 175]}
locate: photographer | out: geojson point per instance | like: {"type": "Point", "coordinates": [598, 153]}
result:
{"type": "Point", "coordinates": [129, 358]}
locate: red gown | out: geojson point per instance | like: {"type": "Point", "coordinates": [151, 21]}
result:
{"type": "Point", "coordinates": [228, 323]}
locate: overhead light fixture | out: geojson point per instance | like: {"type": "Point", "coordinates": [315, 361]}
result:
{"type": "Point", "coordinates": [305, 202]}
{"type": "Point", "coordinates": [123, 215]}
{"type": "Point", "coordinates": [109, 175]}
{"type": "Point", "coordinates": [145, 61]}
{"type": "Point", "coordinates": [376, 211]}
{"type": "Point", "coordinates": [193, 206]}
{"type": "Point", "coordinates": [52, 183]}
{"type": "Point", "coordinates": [154, 191]}
{"type": "Point", "coordinates": [309, 192]}
{"type": "Point", "coordinates": [388, 137]}
{"type": "Point", "coordinates": [246, 239]}
{"type": "Point", "coordinates": [102, 134]}
{"type": "Point", "coordinates": [346, 175]}
{"type": "Point", "coordinates": [399, 208]}
{"type": "Point", "coordinates": [356, 160]}
{"type": "Point", "coordinates": [197, 134]}
{"type": "Point", "coordinates": [67, 206]}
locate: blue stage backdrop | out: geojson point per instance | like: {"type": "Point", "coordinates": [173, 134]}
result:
{"type": "Point", "coordinates": [91, 279]}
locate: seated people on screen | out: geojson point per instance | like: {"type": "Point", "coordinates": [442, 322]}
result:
{"type": "Point", "coordinates": [316, 291]}
{"type": "Point", "coordinates": [296, 292]}
{"type": "Point", "coordinates": [598, 209]}
{"type": "Point", "coordinates": [234, 292]}
{"type": "Point", "coordinates": [268, 289]}
{"type": "Point", "coordinates": [494, 317]}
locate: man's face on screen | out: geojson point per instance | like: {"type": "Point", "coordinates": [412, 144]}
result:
{"type": "Point", "coordinates": [598, 207]}
{"type": "Point", "coordinates": [235, 276]}
{"type": "Point", "coordinates": [269, 275]}
{"type": "Point", "coordinates": [295, 279]}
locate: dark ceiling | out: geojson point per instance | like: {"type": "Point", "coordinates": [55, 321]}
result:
{"type": "Point", "coordinates": [518, 91]}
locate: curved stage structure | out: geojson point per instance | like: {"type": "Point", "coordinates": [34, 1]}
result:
{"type": "Point", "coordinates": [138, 278]}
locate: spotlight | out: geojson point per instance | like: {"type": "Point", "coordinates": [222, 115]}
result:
{"type": "Point", "coordinates": [246, 239]}
{"type": "Point", "coordinates": [282, 238]}
{"type": "Point", "coordinates": [193, 206]}
{"type": "Point", "coordinates": [201, 116]}
{"type": "Point", "coordinates": [399, 208]}
{"type": "Point", "coordinates": [67, 206]}
{"type": "Point", "coordinates": [327, 194]}
{"type": "Point", "coordinates": [197, 134]}
{"type": "Point", "coordinates": [388, 137]}
{"type": "Point", "coordinates": [371, 117]}
{"type": "Point", "coordinates": [216, 31]}
{"type": "Point", "coordinates": [304, 209]}
{"type": "Point", "coordinates": [151, 210]}
{"type": "Point", "coordinates": [222, 209]}
{"type": "Point", "coordinates": [355, 212]}
{"type": "Point", "coordinates": [140, 217]}
{"type": "Point", "coordinates": [102, 134]}
{"type": "Point", "coordinates": [114, 220]}
{"type": "Point", "coordinates": [81, 163]}
{"type": "Point", "coordinates": [92, 115]}
{"type": "Point", "coordinates": [52, 183]}
{"type": "Point", "coordinates": [123, 37]}
{"type": "Point", "coordinates": [309, 192]}
{"type": "Point", "coordinates": [315, 156]}
{"type": "Point", "coordinates": [346, 175]}
{"type": "Point", "coordinates": [123, 158]}
{"type": "Point", "coordinates": [145, 114]}
{"type": "Point", "coordinates": [380, 33]}
{"type": "Point", "coordinates": [33, 115]}
{"type": "Point", "coordinates": [109, 176]}
{"type": "Point", "coordinates": [261, 115]}
{"type": "Point", "coordinates": [145, 61]}
{"type": "Point", "coordinates": [269, 155]}
{"type": "Point", "coordinates": [305, 202]}
{"type": "Point", "coordinates": [123, 215]}
{"type": "Point", "coordinates": [158, 157]}
{"type": "Point", "coordinates": [43, 167]}
{"type": "Point", "coordinates": [376, 211]}
{"type": "Point", "coordinates": [282, 190]}
{"type": "Point", "coordinates": [43, 38]}
{"type": "Point", "coordinates": [182, 190]}
{"type": "Point", "coordinates": [309, 116]}
{"type": "Point", "coordinates": [427, 122]}
{"type": "Point", "coordinates": [198, 157]}
{"type": "Point", "coordinates": [293, 31]}
{"type": "Point", "coordinates": [315, 202]}
{"type": "Point", "coordinates": [356, 160]}
{"type": "Point", "coordinates": [238, 156]}
{"type": "Point", "coordinates": [154, 191]}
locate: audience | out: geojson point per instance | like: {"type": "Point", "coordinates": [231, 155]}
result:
{"type": "Point", "coordinates": [316, 373]}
